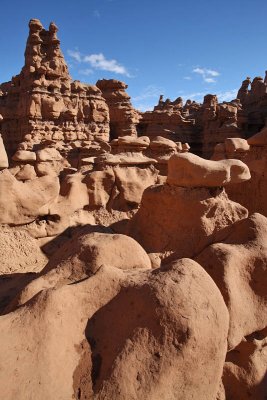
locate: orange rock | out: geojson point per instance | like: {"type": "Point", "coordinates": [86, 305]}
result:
{"type": "Point", "coordinates": [189, 170]}
{"type": "Point", "coordinates": [238, 267]}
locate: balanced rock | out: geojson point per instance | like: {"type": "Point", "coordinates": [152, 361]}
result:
{"type": "Point", "coordinates": [182, 220]}
{"type": "Point", "coordinates": [236, 145]}
{"type": "Point", "coordinates": [189, 170]}
{"type": "Point", "coordinates": [48, 154]}
{"type": "Point", "coordinates": [24, 156]}
{"type": "Point", "coordinates": [161, 143]}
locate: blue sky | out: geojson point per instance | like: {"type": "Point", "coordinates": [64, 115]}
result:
{"type": "Point", "coordinates": [172, 47]}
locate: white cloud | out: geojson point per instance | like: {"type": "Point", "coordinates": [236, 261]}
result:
{"type": "Point", "coordinates": [187, 78]}
{"type": "Point", "coordinates": [148, 98]}
{"type": "Point", "coordinates": [227, 95]}
{"type": "Point", "coordinates": [75, 54]}
{"type": "Point", "coordinates": [194, 96]}
{"type": "Point", "coordinates": [86, 71]}
{"type": "Point", "coordinates": [97, 14]}
{"type": "Point", "coordinates": [209, 80]}
{"type": "Point", "coordinates": [200, 71]}
{"type": "Point", "coordinates": [212, 72]}
{"type": "Point", "coordinates": [207, 74]}
{"type": "Point", "coordinates": [144, 107]}
{"type": "Point", "coordinates": [151, 91]}
{"type": "Point", "coordinates": [98, 62]}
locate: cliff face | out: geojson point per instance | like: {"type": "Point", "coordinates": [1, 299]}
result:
{"type": "Point", "coordinates": [123, 117]}
{"type": "Point", "coordinates": [43, 103]}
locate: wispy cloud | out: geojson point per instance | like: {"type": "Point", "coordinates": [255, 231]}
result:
{"type": "Point", "coordinates": [98, 62]}
{"type": "Point", "coordinates": [75, 54]}
{"type": "Point", "coordinates": [86, 71]}
{"type": "Point", "coordinates": [207, 74]}
{"type": "Point", "coordinates": [188, 78]}
{"type": "Point", "coordinates": [147, 99]}
{"type": "Point", "coordinates": [227, 95]}
{"type": "Point", "coordinates": [209, 80]}
{"type": "Point", "coordinates": [96, 14]}
{"type": "Point", "coordinates": [194, 96]}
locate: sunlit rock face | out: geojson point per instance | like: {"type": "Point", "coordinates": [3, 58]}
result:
{"type": "Point", "coordinates": [130, 266]}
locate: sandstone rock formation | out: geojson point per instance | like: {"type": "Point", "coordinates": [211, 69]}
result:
{"type": "Point", "coordinates": [252, 193]}
{"type": "Point", "coordinates": [19, 252]}
{"type": "Point", "coordinates": [99, 206]}
{"type": "Point", "coordinates": [238, 267]}
{"type": "Point", "coordinates": [190, 170]}
{"type": "Point", "coordinates": [144, 355]}
{"type": "Point", "coordinates": [42, 103]}
{"type": "Point", "coordinates": [244, 375]}
{"type": "Point", "coordinates": [123, 117]}
{"type": "Point", "coordinates": [3, 155]}
{"type": "Point", "coordinates": [202, 210]}
{"type": "Point", "coordinates": [23, 202]}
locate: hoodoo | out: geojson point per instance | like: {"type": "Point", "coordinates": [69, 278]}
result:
{"type": "Point", "coordinates": [133, 244]}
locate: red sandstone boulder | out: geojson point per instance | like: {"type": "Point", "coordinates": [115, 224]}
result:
{"type": "Point", "coordinates": [244, 374]}
{"type": "Point", "coordinates": [147, 355]}
{"type": "Point", "coordinates": [182, 221]}
{"type": "Point", "coordinates": [191, 170]}
{"type": "Point", "coordinates": [236, 144]}
{"type": "Point", "coordinates": [23, 202]}
{"type": "Point", "coordinates": [238, 266]}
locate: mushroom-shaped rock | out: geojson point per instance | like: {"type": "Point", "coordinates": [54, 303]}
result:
{"type": "Point", "coordinates": [142, 141]}
{"type": "Point", "coordinates": [161, 143]}
{"type": "Point", "coordinates": [182, 220]}
{"type": "Point", "coordinates": [48, 154]}
{"type": "Point", "coordinates": [189, 170]}
{"type": "Point", "coordinates": [238, 265]}
{"type": "Point", "coordinates": [125, 159]}
{"type": "Point", "coordinates": [236, 144]}
{"type": "Point", "coordinates": [260, 139]}
{"type": "Point", "coordinates": [3, 155]}
{"type": "Point", "coordinates": [24, 156]}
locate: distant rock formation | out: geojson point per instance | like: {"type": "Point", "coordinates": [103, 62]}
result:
{"type": "Point", "coordinates": [42, 103]}
{"type": "Point", "coordinates": [99, 206]}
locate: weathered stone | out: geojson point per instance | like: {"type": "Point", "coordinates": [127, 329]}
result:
{"type": "Point", "coordinates": [189, 170]}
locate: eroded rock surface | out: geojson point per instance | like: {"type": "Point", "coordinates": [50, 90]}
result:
{"type": "Point", "coordinates": [116, 198]}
